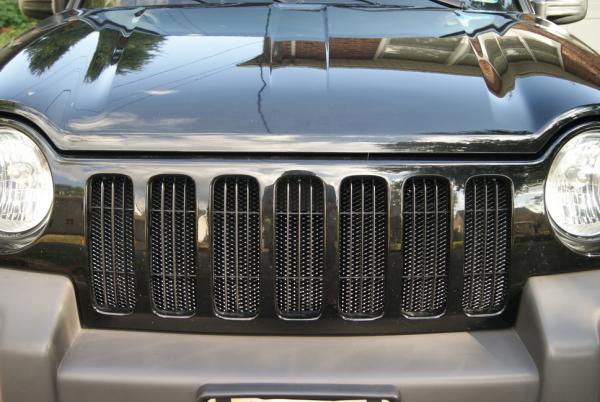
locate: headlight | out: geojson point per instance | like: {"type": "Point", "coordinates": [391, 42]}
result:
{"type": "Point", "coordinates": [26, 190]}
{"type": "Point", "coordinates": [573, 188]}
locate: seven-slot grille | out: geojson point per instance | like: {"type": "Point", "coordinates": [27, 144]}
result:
{"type": "Point", "coordinates": [426, 242]}
{"type": "Point", "coordinates": [488, 210]}
{"type": "Point", "coordinates": [236, 246]}
{"type": "Point", "coordinates": [173, 245]}
{"type": "Point", "coordinates": [363, 247]}
{"type": "Point", "coordinates": [110, 243]}
{"type": "Point", "coordinates": [299, 246]}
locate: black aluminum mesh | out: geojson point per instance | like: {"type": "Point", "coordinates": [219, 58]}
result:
{"type": "Point", "coordinates": [173, 245]}
{"type": "Point", "coordinates": [426, 240]}
{"type": "Point", "coordinates": [236, 246]}
{"type": "Point", "coordinates": [299, 246]}
{"type": "Point", "coordinates": [110, 243]}
{"type": "Point", "coordinates": [487, 244]}
{"type": "Point", "coordinates": [363, 247]}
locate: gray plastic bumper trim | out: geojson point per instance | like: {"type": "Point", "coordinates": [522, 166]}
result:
{"type": "Point", "coordinates": [38, 322]}
{"type": "Point", "coordinates": [159, 367]}
{"type": "Point", "coordinates": [46, 356]}
{"type": "Point", "coordinates": [558, 323]}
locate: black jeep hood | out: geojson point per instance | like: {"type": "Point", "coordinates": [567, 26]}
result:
{"type": "Point", "coordinates": [286, 78]}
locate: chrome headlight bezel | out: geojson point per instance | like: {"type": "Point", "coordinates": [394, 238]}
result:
{"type": "Point", "coordinates": [15, 241]}
{"type": "Point", "coordinates": [585, 244]}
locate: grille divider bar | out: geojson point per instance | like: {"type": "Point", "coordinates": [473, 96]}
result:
{"type": "Point", "coordinates": [435, 246]}
{"type": "Point", "coordinates": [103, 242]}
{"type": "Point", "coordinates": [299, 246]}
{"type": "Point", "coordinates": [311, 228]}
{"type": "Point", "coordinates": [174, 245]}
{"type": "Point", "coordinates": [424, 257]}
{"type": "Point", "coordinates": [374, 241]}
{"type": "Point", "coordinates": [493, 297]}
{"type": "Point", "coordinates": [351, 233]}
{"type": "Point", "coordinates": [162, 242]}
{"type": "Point", "coordinates": [127, 291]}
{"type": "Point", "coordinates": [475, 246]}
{"type": "Point", "coordinates": [248, 228]}
{"type": "Point", "coordinates": [362, 245]}
{"type": "Point", "coordinates": [112, 239]}
{"type": "Point", "coordinates": [288, 250]}
{"type": "Point", "coordinates": [237, 244]}
{"type": "Point", "coordinates": [485, 244]}
{"type": "Point", "coordinates": [225, 248]}
{"type": "Point", "coordinates": [185, 213]}
{"type": "Point", "coordinates": [414, 242]}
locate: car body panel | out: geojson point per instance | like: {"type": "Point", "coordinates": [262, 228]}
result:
{"type": "Point", "coordinates": [298, 78]}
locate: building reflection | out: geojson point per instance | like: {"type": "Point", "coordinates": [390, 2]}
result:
{"type": "Point", "coordinates": [499, 57]}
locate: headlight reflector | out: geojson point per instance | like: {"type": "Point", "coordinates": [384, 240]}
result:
{"type": "Point", "coordinates": [573, 187]}
{"type": "Point", "coordinates": [26, 189]}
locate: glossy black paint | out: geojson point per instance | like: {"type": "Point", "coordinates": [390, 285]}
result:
{"type": "Point", "coordinates": [62, 248]}
{"type": "Point", "coordinates": [218, 92]}
{"type": "Point", "coordinates": [297, 78]}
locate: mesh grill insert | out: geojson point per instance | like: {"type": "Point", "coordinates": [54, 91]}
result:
{"type": "Point", "coordinates": [236, 246]}
{"type": "Point", "coordinates": [487, 244]}
{"type": "Point", "coordinates": [110, 243]}
{"type": "Point", "coordinates": [299, 246]}
{"type": "Point", "coordinates": [363, 247]}
{"type": "Point", "coordinates": [426, 240]}
{"type": "Point", "coordinates": [172, 245]}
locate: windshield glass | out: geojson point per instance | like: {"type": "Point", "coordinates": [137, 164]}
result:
{"type": "Point", "coordinates": [489, 5]}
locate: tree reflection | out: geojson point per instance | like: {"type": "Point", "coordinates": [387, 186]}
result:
{"type": "Point", "coordinates": [129, 52]}
{"type": "Point", "coordinates": [44, 53]}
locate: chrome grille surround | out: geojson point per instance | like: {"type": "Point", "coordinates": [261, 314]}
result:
{"type": "Point", "coordinates": [488, 215]}
{"type": "Point", "coordinates": [110, 243]}
{"type": "Point", "coordinates": [323, 311]}
{"type": "Point", "coordinates": [363, 247]}
{"type": "Point", "coordinates": [300, 248]}
{"type": "Point", "coordinates": [299, 234]}
{"type": "Point", "coordinates": [236, 246]}
{"type": "Point", "coordinates": [426, 245]}
{"type": "Point", "coordinates": [172, 231]}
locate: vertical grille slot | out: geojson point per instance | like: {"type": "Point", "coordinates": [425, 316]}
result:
{"type": "Point", "coordinates": [172, 245]}
{"type": "Point", "coordinates": [110, 243]}
{"type": "Point", "coordinates": [488, 210]}
{"type": "Point", "coordinates": [299, 246]}
{"type": "Point", "coordinates": [426, 240]}
{"type": "Point", "coordinates": [236, 246]}
{"type": "Point", "coordinates": [363, 247]}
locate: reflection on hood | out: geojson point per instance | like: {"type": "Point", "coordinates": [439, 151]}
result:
{"type": "Point", "coordinates": [298, 76]}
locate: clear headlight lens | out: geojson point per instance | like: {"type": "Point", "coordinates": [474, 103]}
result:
{"type": "Point", "coordinates": [26, 190]}
{"type": "Point", "coordinates": [573, 186]}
